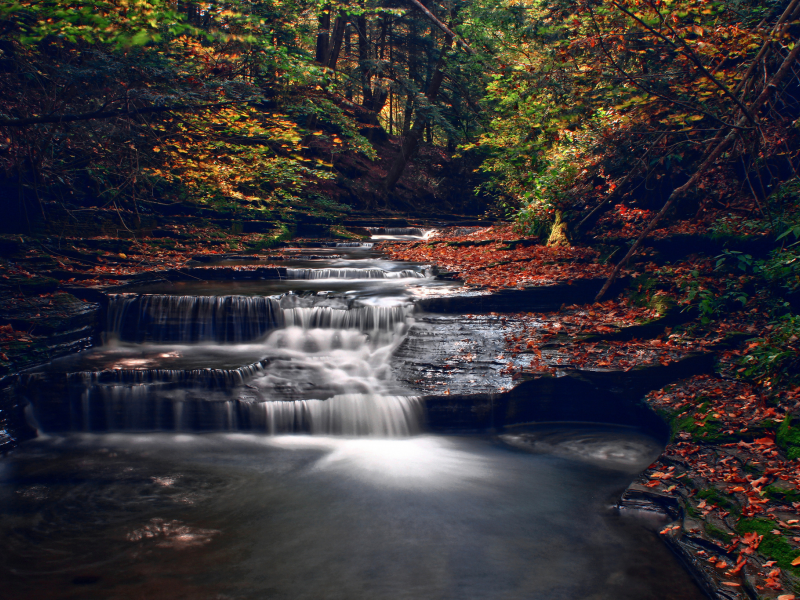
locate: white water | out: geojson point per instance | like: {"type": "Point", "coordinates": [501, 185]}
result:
{"type": "Point", "coordinates": [169, 318]}
{"type": "Point", "coordinates": [346, 414]}
{"type": "Point", "coordinates": [317, 369]}
{"type": "Point", "coordinates": [344, 273]}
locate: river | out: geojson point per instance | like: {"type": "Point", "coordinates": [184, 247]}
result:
{"type": "Point", "coordinates": [248, 439]}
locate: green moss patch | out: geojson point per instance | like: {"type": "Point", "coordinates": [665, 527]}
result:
{"type": "Point", "coordinates": [788, 437]}
{"type": "Point", "coordinates": [781, 495]}
{"type": "Point", "coordinates": [773, 546]}
{"type": "Point", "coordinates": [717, 533]}
{"type": "Point", "coordinates": [714, 496]}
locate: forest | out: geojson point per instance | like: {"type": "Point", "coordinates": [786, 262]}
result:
{"type": "Point", "coordinates": [619, 179]}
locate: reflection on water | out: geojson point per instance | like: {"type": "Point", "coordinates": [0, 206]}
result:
{"type": "Point", "coordinates": [609, 447]}
{"type": "Point", "coordinates": [244, 516]}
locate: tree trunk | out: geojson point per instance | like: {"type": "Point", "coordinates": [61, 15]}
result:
{"type": "Point", "coordinates": [363, 60]}
{"type": "Point", "coordinates": [407, 112]}
{"type": "Point", "coordinates": [335, 45]}
{"type": "Point", "coordinates": [348, 53]}
{"type": "Point", "coordinates": [411, 141]}
{"type": "Point", "coordinates": [323, 37]}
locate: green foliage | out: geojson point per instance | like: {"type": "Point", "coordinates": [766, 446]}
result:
{"type": "Point", "coordinates": [788, 438]}
{"type": "Point", "coordinates": [774, 546]}
{"type": "Point", "coordinates": [714, 303]}
{"type": "Point", "coordinates": [592, 86]}
{"type": "Point", "coordinates": [644, 291]}
{"type": "Point", "coordinates": [125, 24]}
{"type": "Point", "coordinates": [733, 226]}
{"type": "Point", "coordinates": [281, 234]}
{"type": "Point", "coordinates": [774, 357]}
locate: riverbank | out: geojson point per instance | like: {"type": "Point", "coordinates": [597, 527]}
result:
{"type": "Point", "coordinates": [729, 476]}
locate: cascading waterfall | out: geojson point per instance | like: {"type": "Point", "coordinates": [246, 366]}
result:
{"type": "Point", "coordinates": [232, 319]}
{"type": "Point", "coordinates": [162, 318]}
{"type": "Point", "coordinates": [352, 274]}
{"type": "Point", "coordinates": [348, 245]}
{"type": "Point", "coordinates": [364, 318]}
{"type": "Point", "coordinates": [346, 414]}
{"type": "Point", "coordinates": [416, 231]}
{"type": "Point", "coordinates": [322, 369]}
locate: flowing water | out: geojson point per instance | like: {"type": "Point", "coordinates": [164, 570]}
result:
{"type": "Point", "coordinates": [248, 440]}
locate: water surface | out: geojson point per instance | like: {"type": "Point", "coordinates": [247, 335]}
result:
{"type": "Point", "coordinates": [248, 516]}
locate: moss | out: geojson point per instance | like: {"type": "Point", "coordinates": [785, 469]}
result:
{"type": "Point", "coordinates": [717, 533]}
{"type": "Point", "coordinates": [668, 416]}
{"type": "Point", "coordinates": [339, 231]}
{"type": "Point", "coordinates": [281, 234]}
{"type": "Point", "coordinates": [781, 495]}
{"type": "Point", "coordinates": [773, 546]}
{"type": "Point", "coordinates": [31, 285]}
{"type": "Point", "coordinates": [788, 437]}
{"type": "Point", "coordinates": [714, 496]}
{"type": "Point", "coordinates": [644, 292]}
{"type": "Point", "coordinates": [711, 429]}
{"type": "Point", "coordinates": [165, 243]}
{"type": "Point", "coordinates": [751, 468]}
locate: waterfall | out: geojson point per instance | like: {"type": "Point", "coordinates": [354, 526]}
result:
{"type": "Point", "coordinates": [353, 245]}
{"type": "Point", "coordinates": [232, 319]}
{"type": "Point", "coordinates": [205, 378]}
{"type": "Point", "coordinates": [207, 400]}
{"type": "Point", "coordinates": [351, 274]}
{"type": "Point", "coordinates": [364, 318]}
{"type": "Point", "coordinates": [417, 231]}
{"type": "Point", "coordinates": [162, 318]}
{"type": "Point", "coordinates": [347, 414]}
{"type": "Point", "coordinates": [299, 362]}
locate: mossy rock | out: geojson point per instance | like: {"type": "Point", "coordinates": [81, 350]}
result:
{"type": "Point", "coordinates": [644, 292]}
{"type": "Point", "coordinates": [281, 234]}
{"type": "Point", "coordinates": [773, 546]}
{"type": "Point", "coordinates": [788, 436]}
{"type": "Point", "coordinates": [718, 533]}
{"type": "Point", "coordinates": [711, 429]}
{"type": "Point", "coordinates": [713, 496]}
{"type": "Point", "coordinates": [782, 494]}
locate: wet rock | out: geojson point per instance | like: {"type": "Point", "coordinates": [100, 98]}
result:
{"type": "Point", "coordinates": [54, 325]}
{"type": "Point", "coordinates": [452, 355]}
{"type": "Point", "coordinates": [578, 395]}
{"type": "Point", "coordinates": [14, 428]}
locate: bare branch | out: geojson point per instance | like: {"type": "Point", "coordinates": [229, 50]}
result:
{"type": "Point", "coordinates": [442, 26]}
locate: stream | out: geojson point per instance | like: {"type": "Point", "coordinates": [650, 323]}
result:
{"type": "Point", "coordinates": [250, 439]}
